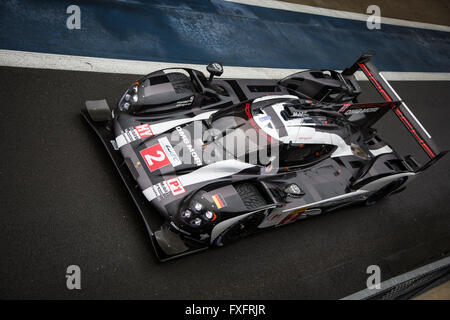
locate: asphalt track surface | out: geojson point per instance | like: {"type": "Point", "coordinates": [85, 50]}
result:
{"type": "Point", "coordinates": [63, 203]}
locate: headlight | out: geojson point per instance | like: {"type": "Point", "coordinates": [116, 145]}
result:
{"type": "Point", "coordinates": [124, 107]}
{"type": "Point", "coordinates": [197, 222]}
{"type": "Point", "coordinates": [187, 214]}
{"type": "Point", "coordinates": [197, 213]}
{"type": "Point", "coordinates": [135, 98]}
{"type": "Point", "coordinates": [197, 206]}
{"type": "Point", "coordinates": [209, 215]}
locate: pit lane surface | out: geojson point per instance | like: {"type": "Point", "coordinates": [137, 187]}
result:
{"type": "Point", "coordinates": [63, 203]}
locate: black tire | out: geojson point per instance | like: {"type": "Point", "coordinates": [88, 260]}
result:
{"type": "Point", "coordinates": [250, 195]}
{"type": "Point", "coordinates": [252, 199]}
{"type": "Point", "coordinates": [240, 229]}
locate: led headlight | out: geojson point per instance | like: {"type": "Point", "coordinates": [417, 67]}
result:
{"type": "Point", "coordinates": [197, 206]}
{"type": "Point", "coordinates": [124, 107]}
{"type": "Point", "coordinates": [197, 213]}
{"type": "Point", "coordinates": [134, 98]}
{"type": "Point", "coordinates": [209, 215]}
{"type": "Point", "coordinates": [187, 214]}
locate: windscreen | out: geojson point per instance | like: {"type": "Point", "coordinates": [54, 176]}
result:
{"type": "Point", "coordinates": [235, 130]}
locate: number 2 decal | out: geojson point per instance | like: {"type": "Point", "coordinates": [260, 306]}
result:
{"type": "Point", "coordinates": [160, 157]}
{"type": "Point", "coordinates": [155, 157]}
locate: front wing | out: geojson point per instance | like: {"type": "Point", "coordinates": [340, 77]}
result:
{"type": "Point", "coordinates": [154, 223]}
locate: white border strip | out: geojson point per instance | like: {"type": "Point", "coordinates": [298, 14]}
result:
{"type": "Point", "coordinates": [25, 59]}
{"type": "Point", "coordinates": [281, 5]}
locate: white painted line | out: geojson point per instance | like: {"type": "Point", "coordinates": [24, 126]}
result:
{"type": "Point", "coordinates": [411, 76]}
{"type": "Point", "coordinates": [281, 5]}
{"type": "Point", "coordinates": [25, 59]}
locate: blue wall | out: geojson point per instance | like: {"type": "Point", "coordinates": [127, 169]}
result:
{"type": "Point", "coordinates": [201, 31]}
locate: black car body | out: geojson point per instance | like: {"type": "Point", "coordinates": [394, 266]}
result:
{"type": "Point", "coordinates": [301, 146]}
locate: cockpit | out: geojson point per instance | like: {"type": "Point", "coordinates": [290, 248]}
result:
{"type": "Point", "coordinates": [261, 132]}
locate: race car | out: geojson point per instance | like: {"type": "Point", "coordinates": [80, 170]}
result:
{"type": "Point", "coordinates": [208, 160]}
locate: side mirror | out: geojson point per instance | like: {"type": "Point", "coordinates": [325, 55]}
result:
{"type": "Point", "coordinates": [214, 69]}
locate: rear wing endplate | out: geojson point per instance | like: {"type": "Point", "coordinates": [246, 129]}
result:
{"type": "Point", "coordinates": [401, 110]}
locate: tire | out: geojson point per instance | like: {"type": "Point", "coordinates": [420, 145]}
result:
{"type": "Point", "coordinates": [252, 199]}
{"type": "Point", "coordinates": [250, 195]}
{"type": "Point", "coordinates": [240, 229]}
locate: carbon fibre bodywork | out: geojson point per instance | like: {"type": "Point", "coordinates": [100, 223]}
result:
{"type": "Point", "coordinates": [168, 140]}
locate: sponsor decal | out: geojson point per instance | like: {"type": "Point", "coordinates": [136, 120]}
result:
{"type": "Point", "coordinates": [176, 187]}
{"type": "Point", "coordinates": [253, 123]}
{"type": "Point", "coordinates": [204, 236]}
{"type": "Point", "coordinates": [298, 114]}
{"type": "Point", "coordinates": [133, 134]}
{"type": "Point", "coordinates": [161, 189]}
{"type": "Point", "coordinates": [189, 146]}
{"type": "Point", "coordinates": [267, 169]}
{"type": "Point", "coordinates": [144, 130]}
{"type": "Point", "coordinates": [130, 135]}
{"type": "Point", "coordinates": [169, 151]}
{"type": "Point", "coordinates": [155, 157]}
{"type": "Point", "coordinates": [265, 118]}
{"type": "Point", "coordinates": [292, 216]}
{"type": "Point", "coordinates": [218, 200]}
{"type": "Point", "coordinates": [274, 216]}
{"type": "Point", "coordinates": [184, 103]}
{"type": "Point", "coordinates": [364, 110]}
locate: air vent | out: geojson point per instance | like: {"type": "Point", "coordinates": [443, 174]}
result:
{"type": "Point", "coordinates": [264, 88]}
{"type": "Point", "coordinates": [158, 80]}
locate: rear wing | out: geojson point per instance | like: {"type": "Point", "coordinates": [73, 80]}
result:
{"type": "Point", "coordinates": [400, 109]}
{"type": "Point", "coordinates": [350, 109]}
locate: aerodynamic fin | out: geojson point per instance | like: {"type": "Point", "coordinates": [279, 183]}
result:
{"type": "Point", "coordinates": [401, 110]}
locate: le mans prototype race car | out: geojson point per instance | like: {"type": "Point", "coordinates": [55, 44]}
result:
{"type": "Point", "coordinates": [208, 161]}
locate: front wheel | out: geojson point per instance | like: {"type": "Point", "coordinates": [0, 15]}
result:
{"type": "Point", "coordinates": [241, 229]}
